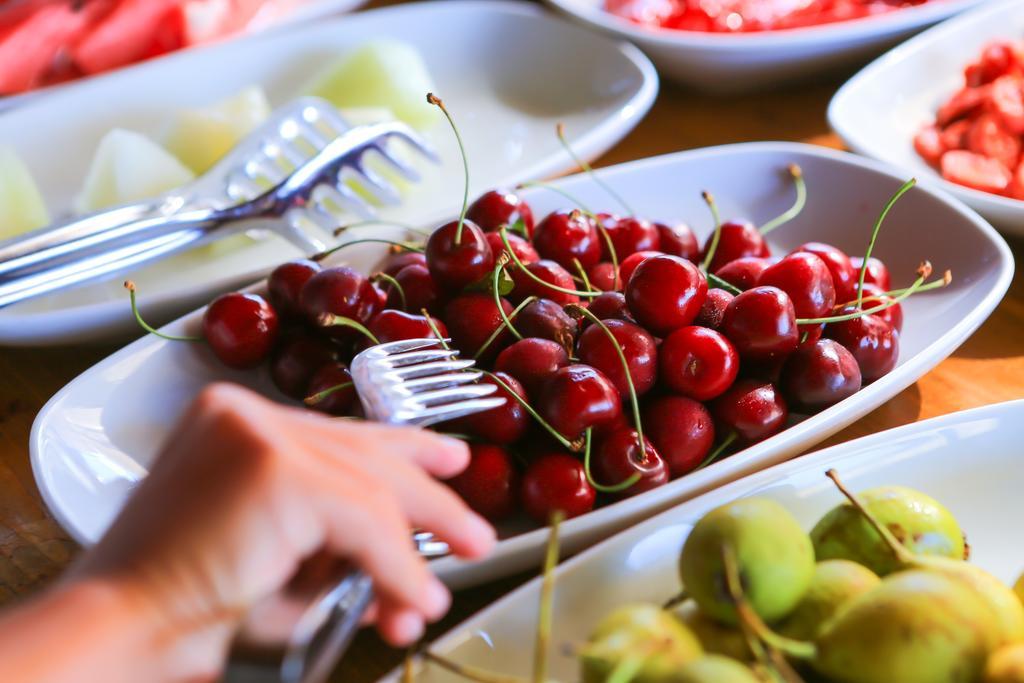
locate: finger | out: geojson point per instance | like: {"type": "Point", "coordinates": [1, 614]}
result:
{"type": "Point", "coordinates": [400, 627]}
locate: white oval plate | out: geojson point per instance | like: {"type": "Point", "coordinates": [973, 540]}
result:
{"type": "Point", "coordinates": [878, 112]}
{"type": "Point", "coordinates": [484, 55]}
{"type": "Point", "coordinates": [969, 461]}
{"type": "Point", "coordinates": [761, 60]}
{"type": "Point", "coordinates": [94, 440]}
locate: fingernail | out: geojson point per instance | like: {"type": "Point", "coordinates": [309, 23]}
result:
{"type": "Point", "coordinates": [483, 530]}
{"type": "Point", "coordinates": [453, 444]}
{"type": "Point", "coordinates": [409, 628]}
{"type": "Point", "coordinates": [438, 599]}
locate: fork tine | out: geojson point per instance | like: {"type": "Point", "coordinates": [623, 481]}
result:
{"type": "Point", "coordinates": [414, 357]}
{"type": "Point", "coordinates": [385, 192]}
{"type": "Point", "coordinates": [429, 399]}
{"type": "Point", "coordinates": [449, 411]}
{"type": "Point", "coordinates": [424, 369]}
{"type": "Point", "coordinates": [405, 134]}
{"type": "Point", "coordinates": [404, 345]}
{"type": "Point", "coordinates": [440, 381]}
{"type": "Point", "coordinates": [407, 171]}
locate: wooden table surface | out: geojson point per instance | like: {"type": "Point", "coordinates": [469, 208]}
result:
{"type": "Point", "coordinates": [988, 368]}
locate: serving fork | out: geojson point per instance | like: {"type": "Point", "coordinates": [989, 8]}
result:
{"type": "Point", "coordinates": [290, 176]}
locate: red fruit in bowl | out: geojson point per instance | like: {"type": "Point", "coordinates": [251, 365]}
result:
{"type": "Point", "coordinates": [738, 239]}
{"type": "Point", "coordinates": [604, 276]}
{"type": "Point", "coordinates": [681, 429]}
{"type": "Point", "coordinates": [629, 264]}
{"type": "Point", "coordinates": [390, 325]}
{"type": "Point", "coordinates": [713, 309]}
{"type": "Point", "coordinates": [628, 235]}
{"type": "Point", "coordinates": [761, 324]}
{"type": "Point", "coordinates": [490, 483]}
{"type": "Point", "coordinates": [577, 397]}
{"type": "Point", "coordinates": [697, 362]}
{"type": "Point", "coordinates": [665, 293]}
{"type": "Point", "coordinates": [745, 272]}
{"type": "Point", "coordinates": [339, 291]}
{"type": "Point", "coordinates": [877, 272]}
{"type": "Point", "coordinates": [875, 296]}
{"type": "Point", "coordinates": [619, 457]}
{"type": "Point", "coordinates": [637, 345]}
{"type": "Point", "coordinates": [532, 361]}
{"type": "Point", "coordinates": [548, 271]}
{"type": "Point", "coordinates": [546, 319]}
{"type": "Point", "coordinates": [610, 306]}
{"type": "Point", "coordinates": [523, 250]}
{"type": "Point", "coordinates": [678, 240]}
{"type": "Point", "coordinates": [338, 401]}
{"type": "Point", "coordinates": [820, 375]}
{"type": "Point", "coordinates": [752, 409]}
{"type": "Point", "coordinates": [807, 281]}
{"type": "Point", "coordinates": [502, 425]}
{"type": "Point", "coordinates": [496, 208]}
{"type": "Point", "coordinates": [564, 236]}
{"type": "Point", "coordinates": [297, 359]}
{"type": "Point", "coordinates": [382, 295]}
{"type": "Point", "coordinates": [471, 319]}
{"type": "Point", "coordinates": [871, 340]}
{"type": "Point", "coordinates": [285, 283]}
{"type": "Point", "coordinates": [241, 329]}
{"type": "Point", "coordinates": [419, 288]}
{"type": "Point", "coordinates": [456, 261]}
{"type": "Point", "coordinates": [393, 263]}
{"type": "Point", "coordinates": [840, 267]}
{"type": "Point", "coordinates": [556, 482]}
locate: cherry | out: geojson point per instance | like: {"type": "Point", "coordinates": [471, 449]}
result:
{"type": "Point", "coordinates": [567, 235]}
{"type": "Point", "coordinates": [297, 359]}
{"type": "Point", "coordinates": [713, 309]}
{"type": "Point", "coordinates": [610, 306]}
{"type": "Point", "coordinates": [337, 402]}
{"type": "Point", "coordinates": [637, 345]}
{"type": "Point", "coordinates": [577, 397]}
{"type": "Point", "coordinates": [545, 319]}
{"type": "Point", "coordinates": [394, 262]}
{"type": "Point", "coordinates": [665, 293]}
{"type": "Point", "coordinates": [871, 340]}
{"type": "Point", "coordinates": [556, 482]}
{"type": "Point", "coordinates": [604, 276]}
{"type": "Point", "coordinates": [697, 362]}
{"type": "Point", "coordinates": [241, 329]}
{"type": "Point", "coordinates": [806, 279]}
{"type": "Point", "coordinates": [456, 261]}
{"type": "Point", "coordinates": [419, 288]}
{"type": "Point", "coordinates": [285, 283]}
{"type": "Point", "coordinates": [620, 457]}
{"type": "Point", "coordinates": [504, 424]}
{"type": "Point", "coordinates": [892, 315]}
{"type": "Point", "coordinates": [877, 273]}
{"type": "Point", "coordinates": [761, 324]}
{"type": "Point", "coordinates": [678, 240]}
{"type": "Point", "coordinates": [524, 251]}
{"type": "Point", "coordinates": [472, 318]}
{"type": "Point", "coordinates": [339, 291]}
{"type": "Point", "coordinates": [390, 325]}
{"type": "Point", "coordinates": [628, 235]}
{"type": "Point", "coordinates": [498, 208]}
{"type": "Point", "coordinates": [682, 431]}
{"type": "Point", "coordinates": [629, 264]}
{"type": "Point", "coordinates": [820, 375]}
{"type": "Point", "coordinates": [745, 272]}
{"type": "Point", "coordinates": [549, 272]}
{"type": "Point", "coordinates": [532, 361]}
{"type": "Point", "coordinates": [738, 239]}
{"type": "Point", "coordinates": [844, 277]}
{"type": "Point", "coordinates": [490, 483]}
{"type": "Point", "coordinates": [752, 409]}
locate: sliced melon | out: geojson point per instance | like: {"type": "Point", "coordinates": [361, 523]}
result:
{"type": "Point", "coordinates": [129, 167]}
{"type": "Point", "coordinates": [382, 73]}
{"type": "Point", "coordinates": [21, 205]}
{"type": "Point", "coordinates": [200, 137]}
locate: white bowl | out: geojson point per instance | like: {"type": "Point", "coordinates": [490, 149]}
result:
{"type": "Point", "coordinates": [969, 461]}
{"type": "Point", "coordinates": [94, 440]}
{"type": "Point", "coordinates": [763, 60]}
{"type": "Point", "coordinates": [878, 112]}
{"type": "Point", "coordinates": [484, 56]}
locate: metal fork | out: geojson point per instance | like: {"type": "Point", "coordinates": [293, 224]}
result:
{"type": "Point", "coordinates": [413, 382]}
{"type": "Point", "coordinates": [289, 176]}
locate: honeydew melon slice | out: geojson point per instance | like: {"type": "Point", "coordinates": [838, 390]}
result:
{"type": "Point", "coordinates": [21, 205]}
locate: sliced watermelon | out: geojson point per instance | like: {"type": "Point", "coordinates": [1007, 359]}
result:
{"type": "Point", "coordinates": [124, 36]}
{"type": "Point", "coordinates": [975, 171]}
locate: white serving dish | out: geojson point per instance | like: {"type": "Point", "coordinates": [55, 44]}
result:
{"type": "Point", "coordinates": [878, 112]}
{"type": "Point", "coordinates": [484, 56]}
{"type": "Point", "coordinates": [93, 441]}
{"type": "Point", "coordinates": [763, 60]}
{"type": "Point", "coordinates": [969, 461]}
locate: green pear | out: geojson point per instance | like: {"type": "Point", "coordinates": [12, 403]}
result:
{"type": "Point", "coordinates": [715, 669]}
{"type": "Point", "coordinates": [643, 636]}
{"type": "Point", "coordinates": [714, 637]}
{"type": "Point", "coordinates": [834, 584]}
{"type": "Point", "coordinates": [1006, 665]}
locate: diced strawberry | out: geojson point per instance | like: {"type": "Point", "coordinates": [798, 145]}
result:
{"type": "Point", "coordinates": [954, 136]}
{"type": "Point", "coordinates": [928, 143]}
{"type": "Point", "coordinates": [1006, 97]}
{"type": "Point", "coordinates": [996, 60]}
{"type": "Point", "coordinates": [124, 36]}
{"type": "Point", "coordinates": [975, 171]}
{"type": "Point", "coordinates": [28, 51]}
{"type": "Point", "coordinates": [962, 104]}
{"type": "Point", "coordinates": [1016, 187]}
{"type": "Point", "coordinates": [988, 138]}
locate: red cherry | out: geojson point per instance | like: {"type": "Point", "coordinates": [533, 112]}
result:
{"type": "Point", "coordinates": [665, 293]}
{"type": "Point", "coordinates": [877, 273]}
{"type": "Point", "coordinates": [713, 309]}
{"type": "Point", "coordinates": [285, 283]}
{"type": "Point", "coordinates": [563, 236]}
{"type": "Point", "coordinates": [339, 291]}
{"type": "Point", "coordinates": [752, 409]}
{"type": "Point", "coordinates": [871, 340]}
{"type": "Point", "coordinates": [457, 264]}
{"type": "Point", "coordinates": [549, 272]}
{"type": "Point", "coordinates": [502, 425]}
{"type": "Point", "coordinates": [532, 361]}
{"type": "Point", "coordinates": [820, 375]}
{"type": "Point", "coordinates": [697, 362]}
{"type": "Point", "coordinates": [545, 319]}
{"type": "Point", "coordinates": [638, 346]}
{"type": "Point", "coordinates": [892, 315]}
{"type": "Point", "coordinates": [390, 325]}
{"type": "Point", "coordinates": [604, 276]}
{"type": "Point", "coordinates": [738, 239]}
{"type": "Point", "coordinates": [496, 208]}
{"type": "Point", "coordinates": [761, 324]}
{"type": "Point", "coordinates": [681, 429]}
{"type": "Point", "coordinates": [523, 250]}
{"type": "Point", "coordinates": [844, 277]}
{"type": "Point", "coordinates": [678, 240]}
{"type": "Point", "coordinates": [556, 482]}
{"type": "Point", "coordinates": [337, 402]}
{"type": "Point", "coordinates": [297, 359]}
{"type": "Point", "coordinates": [744, 272]}
{"type": "Point", "coordinates": [610, 306]}
{"type": "Point", "coordinates": [629, 264]}
{"type": "Point", "coordinates": [393, 263]}
{"type": "Point", "coordinates": [628, 235]}
{"type": "Point", "coordinates": [619, 457]}
{"type": "Point", "coordinates": [577, 397]}
{"type": "Point", "coordinates": [805, 278]}
{"type": "Point", "coordinates": [241, 329]}
{"type": "Point", "coordinates": [472, 318]}
{"type": "Point", "coordinates": [420, 290]}
{"type": "Point", "coordinates": [382, 296]}
{"type": "Point", "coordinates": [490, 484]}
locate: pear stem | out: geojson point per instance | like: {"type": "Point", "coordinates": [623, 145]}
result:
{"type": "Point", "coordinates": [526, 271]}
{"type": "Point", "coordinates": [874, 234]}
{"type": "Point", "coordinates": [676, 600]}
{"type": "Point", "coordinates": [436, 101]}
{"type": "Point", "coordinates": [471, 673]}
{"type": "Point", "coordinates": [626, 670]}
{"type": "Point", "coordinates": [798, 205]}
{"type": "Point", "coordinates": [560, 131]}
{"type": "Point", "coordinates": [603, 488]}
{"type": "Point", "coordinates": [899, 551]}
{"type": "Point", "coordinates": [716, 235]}
{"type": "Point", "coordinates": [130, 286]}
{"type": "Point", "coordinates": [546, 610]}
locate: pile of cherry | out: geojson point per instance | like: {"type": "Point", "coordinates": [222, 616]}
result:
{"type": "Point", "coordinates": [629, 354]}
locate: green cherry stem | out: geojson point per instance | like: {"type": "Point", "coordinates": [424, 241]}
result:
{"type": "Point", "coordinates": [722, 284]}
{"type": "Point", "coordinates": [320, 396]}
{"type": "Point", "coordinates": [406, 246]}
{"type": "Point", "coordinates": [394, 283]}
{"type": "Point", "coordinates": [545, 610]}
{"type": "Point", "coordinates": [944, 281]}
{"type": "Point", "coordinates": [615, 488]}
{"type": "Point", "coordinates": [717, 453]}
{"type": "Point", "coordinates": [130, 286]}
{"type": "Point", "coordinates": [436, 101]}
{"type": "Point", "coordinates": [331, 320]}
{"type": "Point", "coordinates": [583, 275]}
{"type": "Point", "coordinates": [433, 328]}
{"type": "Point", "coordinates": [503, 326]}
{"type": "Point", "coordinates": [536, 278]}
{"type": "Point", "coordinates": [586, 212]}
{"type": "Point", "coordinates": [560, 131]}
{"type": "Point", "coordinates": [569, 445]}
{"type": "Point", "coordinates": [923, 271]}
{"type": "Point", "coordinates": [798, 205]}
{"type": "Point", "coordinates": [362, 224]}
{"type": "Point", "coordinates": [904, 188]}
{"type": "Point", "coordinates": [716, 235]}
{"type": "Point", "coordinates": [495, 277]}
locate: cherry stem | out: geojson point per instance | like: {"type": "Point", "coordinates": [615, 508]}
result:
{"type": "Point", "coordinates": [320, 396]}
{"type": "Point", "coordinates": [874, 234]}
{"type": "Point", "coordinates": [331, 320]}
{"type": "Point", "coordinates": [798, 205]}
{"type": "Point", "coordinates": [605, 237]}
{"type": "Point", "coordinates": [436, 101]}
{"type": "Point", "coordinates": [717, 235]}
{"type": "Point", "coordinates": [723, 284]}
{"type": "Point", "coordinates": [899, 551]}
{"type": "Point", "coordinates": [495, 277]}
{"type": "Point", "coordinates": [510, 317]}
{"type": "Point", "coordinates": [533, 413]}
{"type": "Point", "coordinates": [583, 275]}
{"type": "Point", "coordinates": [560, 131]}
{"type": "Point", "coordinates": [433, 328]}
{"type": "Point", "coordinates": [536, 278]}
{"type": "Point", "coordinates": [717, 453]}
{"type": "Point", "coordinates": [944, 281]}
{"type": "Point", "coordinates": [545, 610]}
{"type": "Point", "coordinates": [394, 283]}
{"type": "Point", "coordinates": [923, 271]}
{"type": "Point", "coordinates": [130, 286]}
{"type": "Point", "coordinates": [468, 672]}
{"type": "Point", "coordinates": [407, 246]}
{"type": "Point", "coordinates": [362, 224]}
{"type": "Point", "coordinates": [615, 488]}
